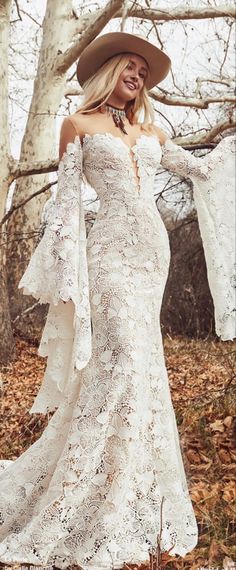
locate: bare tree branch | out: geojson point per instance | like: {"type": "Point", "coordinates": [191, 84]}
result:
{"type": "Point", "coordinates": [17, 206]}
{"type": "Point", "coordinates": [19, 169]}
{"type": "Point", "coordinates": [124, 15]}
{"type": "Point", "coordinates": [31, 18]}
{"type": "Point", "coordinates": [98, 21]}
{"type": "Point", "coordinates": [162, 14]}
{"type": "Point", "coordinates": [221, 81]}
{"type": "Point", "coordinates": [208, 136]}
{"type": "Point", "coordinates": [18, 12]}
{"type": "Point", "coordinates": [25, 312]}
{"type": "Point", "coordinates": [182, 13]}
{"type": "Point", "coordinates": [187, 101]}
{"type": "Point", "coordinates": [226, 48]}
{"type": "Point", "coordinates": [197, 102]}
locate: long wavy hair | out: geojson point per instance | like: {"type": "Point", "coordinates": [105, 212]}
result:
{"type": "Point", "coordinates": [99, 87]}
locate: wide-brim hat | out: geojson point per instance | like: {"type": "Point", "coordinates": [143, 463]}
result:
{"type": "Point", "coordinates": [106, 46]}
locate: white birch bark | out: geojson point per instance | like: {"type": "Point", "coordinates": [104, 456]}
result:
{"type": "Point", "coordinates": [5, 323]}
{"type": "Point", "coordinates": [58, 52]}
{"type": "Point", "coordinates": [162, 14]}
{"type": "Point", "coordinates": [38, 143]}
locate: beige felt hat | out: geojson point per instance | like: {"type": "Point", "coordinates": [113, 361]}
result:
{"type": "Point", "coordinates": [113, 43]}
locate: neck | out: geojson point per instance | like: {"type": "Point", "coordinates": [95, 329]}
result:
{"type": "Point", "coordinates": [116, 102]}
{"type": "Point", "coordinates": [115, 108]}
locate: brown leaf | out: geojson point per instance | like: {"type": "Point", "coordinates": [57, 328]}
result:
{"type": "Point", "coordinates": [217, 426]}
{"type": "Point", "coordinates": [228, 421]}
{"type": "Point", "coordinates": [228, 563]}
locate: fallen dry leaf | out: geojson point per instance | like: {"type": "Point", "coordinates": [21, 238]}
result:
{"type": "Point", "coordinates": [201, 382]}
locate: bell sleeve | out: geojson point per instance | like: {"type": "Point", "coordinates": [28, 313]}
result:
{"type": "Point", "coordinates": [213, 178]}
{"type": "Point", "coordinates": [58, 274]}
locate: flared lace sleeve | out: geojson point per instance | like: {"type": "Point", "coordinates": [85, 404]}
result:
{"type": "Point", "coordinates": [58, 272]}
{"type": "Point", "coordinates": [213, 178]}
{"type": "Point", "coordinates": [52, 271]}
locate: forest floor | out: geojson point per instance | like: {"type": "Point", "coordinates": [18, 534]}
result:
{"type": "Point", "coordinates": [202, 381]}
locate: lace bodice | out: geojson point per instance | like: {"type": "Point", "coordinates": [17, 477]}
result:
{"type": "Point", "coordinates": [116, 163]}
{"type": "Point", "coordinates": [123, 178]}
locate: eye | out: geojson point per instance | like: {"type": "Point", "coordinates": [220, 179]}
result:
{"type": "Point", "coordinates": [131, 66]}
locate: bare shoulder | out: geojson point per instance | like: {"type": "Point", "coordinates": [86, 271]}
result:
{"type": "Point", "coordinates": [72, 126]}
{"type": "Point", "coordinates": [67, 135]}
{"type": "Point", "coordinates": [162, 136]}
{"type": "Point", "coordinates": [83, 122]}
{"type": "Point", "coordinates": [79, 120]}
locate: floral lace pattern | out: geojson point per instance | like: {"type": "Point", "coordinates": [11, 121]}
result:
{"type": "Point", "coordinates": [89, 490]}
{"type": "Point", "coordinates": [213, 178]}
{"type": "Point", "coordinates": [58, 272]}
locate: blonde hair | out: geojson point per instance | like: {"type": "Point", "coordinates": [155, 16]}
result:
{"type": "Point", "coordinates": [99, 87]}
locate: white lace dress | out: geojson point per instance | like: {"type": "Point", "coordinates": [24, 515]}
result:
{"type": "Point", "coordinates": [89, 490]}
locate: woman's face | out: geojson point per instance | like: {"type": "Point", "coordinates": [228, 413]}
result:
{"type": "Point", "coordinates": [132, 78]}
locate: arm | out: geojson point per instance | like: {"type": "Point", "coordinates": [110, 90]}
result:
{"type": "Point", "coordinates": [213, 178]}
{"type": "Point", "coordinates": [180, 161]}
{"type": "Point", "coordinates": [52, 271]}
{"type": "Point", "coordinates": [58, 272]}
{"type": "Point", "coordinates": [67, 135]}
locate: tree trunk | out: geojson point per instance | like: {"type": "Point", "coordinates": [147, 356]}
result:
{"type": "Point", "coordinates": [6, 346]}
{"type": "Point", "coordinates": [38, 144]}
{"type": "Point", "coordinates": [187, 307]}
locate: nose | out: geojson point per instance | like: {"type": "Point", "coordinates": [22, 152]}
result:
{"type": "Point", "coordinates": [134, 76]}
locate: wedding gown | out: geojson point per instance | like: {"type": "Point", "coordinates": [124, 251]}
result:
{"type": "Point", "coordinates": [89, 491]}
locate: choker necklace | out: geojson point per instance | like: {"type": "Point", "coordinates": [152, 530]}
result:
{"type": "Point", "coordinates": [118, 115]}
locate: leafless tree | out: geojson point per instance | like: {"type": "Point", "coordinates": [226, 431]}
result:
{"type": "Point", "coordinates": [54, 90]}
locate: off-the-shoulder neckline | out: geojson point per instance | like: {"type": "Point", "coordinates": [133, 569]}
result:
{"type": "Point", "coordinates": [107, 134]}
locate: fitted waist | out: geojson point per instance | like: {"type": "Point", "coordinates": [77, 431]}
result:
{"type": "Point", "coordinates": [145, 227]}
{"type": "Point", "coordinates": [134, 210]}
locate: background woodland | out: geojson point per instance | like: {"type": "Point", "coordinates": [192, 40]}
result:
{"type": "Point", "coordinates": [40, 43]}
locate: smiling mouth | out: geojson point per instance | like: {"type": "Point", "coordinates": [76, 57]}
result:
{"type": "Point", "coordinates": [130, 85]}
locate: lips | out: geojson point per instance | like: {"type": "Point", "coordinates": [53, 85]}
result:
{"type": "Point", "coordinates": [130, 85]}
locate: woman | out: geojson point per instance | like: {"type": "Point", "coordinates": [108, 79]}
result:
{"type": "Point", "coordinates": [105, 480]}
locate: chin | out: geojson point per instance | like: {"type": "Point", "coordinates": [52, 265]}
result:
{"type": "Point", "coordinates": [130, 95]}
{"type": "Point", "coordinates": [127, 95]}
